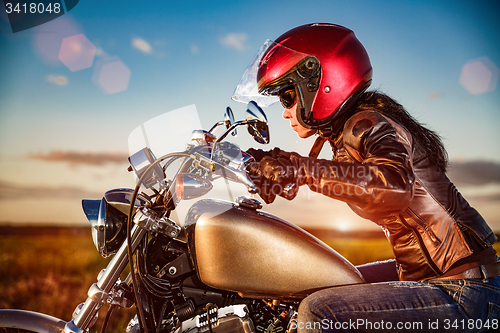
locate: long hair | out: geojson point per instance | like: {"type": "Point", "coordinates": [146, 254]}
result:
{"type": "Point", "coordinates": [429, 140]}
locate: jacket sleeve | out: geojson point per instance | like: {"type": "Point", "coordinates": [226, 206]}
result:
{"type": "Point", "coordinates": [380, 180]}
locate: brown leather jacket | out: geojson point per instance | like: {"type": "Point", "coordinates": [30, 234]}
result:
{"type": "Point", "coordinates": [386, 177]}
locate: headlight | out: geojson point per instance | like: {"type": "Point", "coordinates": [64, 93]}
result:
{"type": "Point", "coordinates": [108, 219]}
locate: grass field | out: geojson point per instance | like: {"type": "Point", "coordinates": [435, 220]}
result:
{"type": "Point", "coordinates": [51, 273]}
{"type": "Point", "coordinates": [50, 270]}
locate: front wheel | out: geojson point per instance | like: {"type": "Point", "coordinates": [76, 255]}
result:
{"type": "Point", "coordinates": [17, 321]}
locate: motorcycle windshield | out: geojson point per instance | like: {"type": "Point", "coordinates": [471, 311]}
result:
{"type": "Point", "coordinates": [166, 133]}
{"type": "Point", "coordinates": [172, 132]}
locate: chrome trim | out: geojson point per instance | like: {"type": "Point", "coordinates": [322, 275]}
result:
{"type": "Point", "coordinates": [114, 297]}
{"type": "Point", "coordinates": [147, 221]}
{"type": "Point", "coordinates": [235, 315]}
{"type": "Point", "coordinates": [248, 202]}
{"type": "Point", "coordinates": [141, 161]}
{"type": "Point", "coordinates": [31, 321]}
{"type": "Point", "coordinates": [72, 328]}
{"type": "Point", "coordinates": [104, 220]}
{"type": "Point", "coordinates": [108, 279]}
{"type": "Point", "coordinates": [203, 158]}
{"type": "Point", "coordinates": [193, 186]}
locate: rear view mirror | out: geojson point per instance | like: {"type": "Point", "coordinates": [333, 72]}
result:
{"type": "Point", "coordinates": [229, 119]}
{"type": "Point", "coordinates": [257, 123]}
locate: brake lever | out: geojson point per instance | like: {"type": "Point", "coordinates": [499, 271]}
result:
{"type": "Point", "coordinates": [290, 191]}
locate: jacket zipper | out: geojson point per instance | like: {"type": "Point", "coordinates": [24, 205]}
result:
{"type": "Point", "coordinates": [426, 228]}
{"type": "Point", "coordinates": [475, 234]}
{"type": "Point", "coordinates": [422, 247]}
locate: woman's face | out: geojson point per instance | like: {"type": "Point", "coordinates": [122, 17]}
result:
{"type": "Point", "coordinates": [302, 132]}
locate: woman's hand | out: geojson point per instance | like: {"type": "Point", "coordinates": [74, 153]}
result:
{"type": "Point", "coordinates": [274, 176]}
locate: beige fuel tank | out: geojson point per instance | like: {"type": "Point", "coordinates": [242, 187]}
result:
{"type": "Point", "coordinates": [259, 255]}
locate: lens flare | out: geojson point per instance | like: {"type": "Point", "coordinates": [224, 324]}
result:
{"type": "Point", "coordinates": [48, 37]}
{"type": "Point", "coordinates": [111, 75]}
{"type": "Point", "coordinates": [479, 76]}
{"type": "Point", "coordinates": [77, 52]}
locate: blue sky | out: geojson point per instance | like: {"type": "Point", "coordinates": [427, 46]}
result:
{"type": "Point", "coordinates": [195, 52]}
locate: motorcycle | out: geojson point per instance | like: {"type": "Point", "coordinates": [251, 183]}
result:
{"type": "Point", "coordinates": [227, 267]}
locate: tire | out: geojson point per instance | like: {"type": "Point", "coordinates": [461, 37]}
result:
{"type": "Point", "coordinates": [20, 321]}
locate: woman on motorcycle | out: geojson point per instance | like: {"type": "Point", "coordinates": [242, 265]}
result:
{"type": "Point", "coordinates": [388, 168]}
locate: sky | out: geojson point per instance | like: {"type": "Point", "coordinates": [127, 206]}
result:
{"type": "Point", "coordinates": [64, 124]}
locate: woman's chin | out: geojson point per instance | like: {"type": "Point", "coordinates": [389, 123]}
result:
{"type": "Point", "coordinates": [305, 135]}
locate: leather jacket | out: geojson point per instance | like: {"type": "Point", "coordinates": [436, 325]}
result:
{"type": "Point", "coordinates": [384, 176]}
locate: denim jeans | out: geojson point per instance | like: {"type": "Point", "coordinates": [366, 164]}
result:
{"type": "Point", "coordinates": [471, 305]}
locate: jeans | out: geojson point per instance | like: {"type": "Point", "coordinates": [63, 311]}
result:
{"type": "Point", "coordinates": [471, 305]}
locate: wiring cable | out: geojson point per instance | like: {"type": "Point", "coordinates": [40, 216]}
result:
{"type": "Point", "coordinates": [140, 310]}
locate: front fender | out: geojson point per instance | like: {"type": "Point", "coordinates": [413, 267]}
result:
{"type": "Point", "coordinates": [31, 321]}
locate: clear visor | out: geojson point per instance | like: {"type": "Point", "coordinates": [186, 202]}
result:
{"type": "Point", "coordinates": [279, 61]}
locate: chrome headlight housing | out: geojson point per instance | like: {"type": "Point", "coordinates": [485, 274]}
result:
{"type": "Point", "coordinates": [108, 219]}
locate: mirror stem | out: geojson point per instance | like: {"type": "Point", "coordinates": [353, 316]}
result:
{"type": "Point", "coordinates": [223, 136]}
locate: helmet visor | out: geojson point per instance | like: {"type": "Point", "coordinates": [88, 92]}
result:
{"type": "Point", "coordinates": [267, 74]}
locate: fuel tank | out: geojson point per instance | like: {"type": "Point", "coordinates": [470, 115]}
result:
{"type": "Point", "coordinates": [256, 254]}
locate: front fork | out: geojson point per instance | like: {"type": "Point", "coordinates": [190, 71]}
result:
{"type": "Point", "coordinates": [99, 293]}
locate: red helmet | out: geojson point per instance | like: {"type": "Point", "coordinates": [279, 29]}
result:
{"type": "Point", "coordinates": [326, 65]}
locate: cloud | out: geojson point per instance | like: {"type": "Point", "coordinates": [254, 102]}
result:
{"type": "Point", "coordinates": [11, 191]}
{"type": "Point", "coordinates": [60, 80]}
{"type": "Point", "coordinates": [81, 158]}
{"type": "Point", "coordinates": [234, 40]}
{"type": "Point", "coordinates": [436, 95]}
{"type": "Point", "coordinates": [493, 197]}
{"type": "Point", "coordinates": [101, 53]}
{"type": "Point", "coordinates": [474, 172]}
{"type": "Point", "coordinates": [142, 45]}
